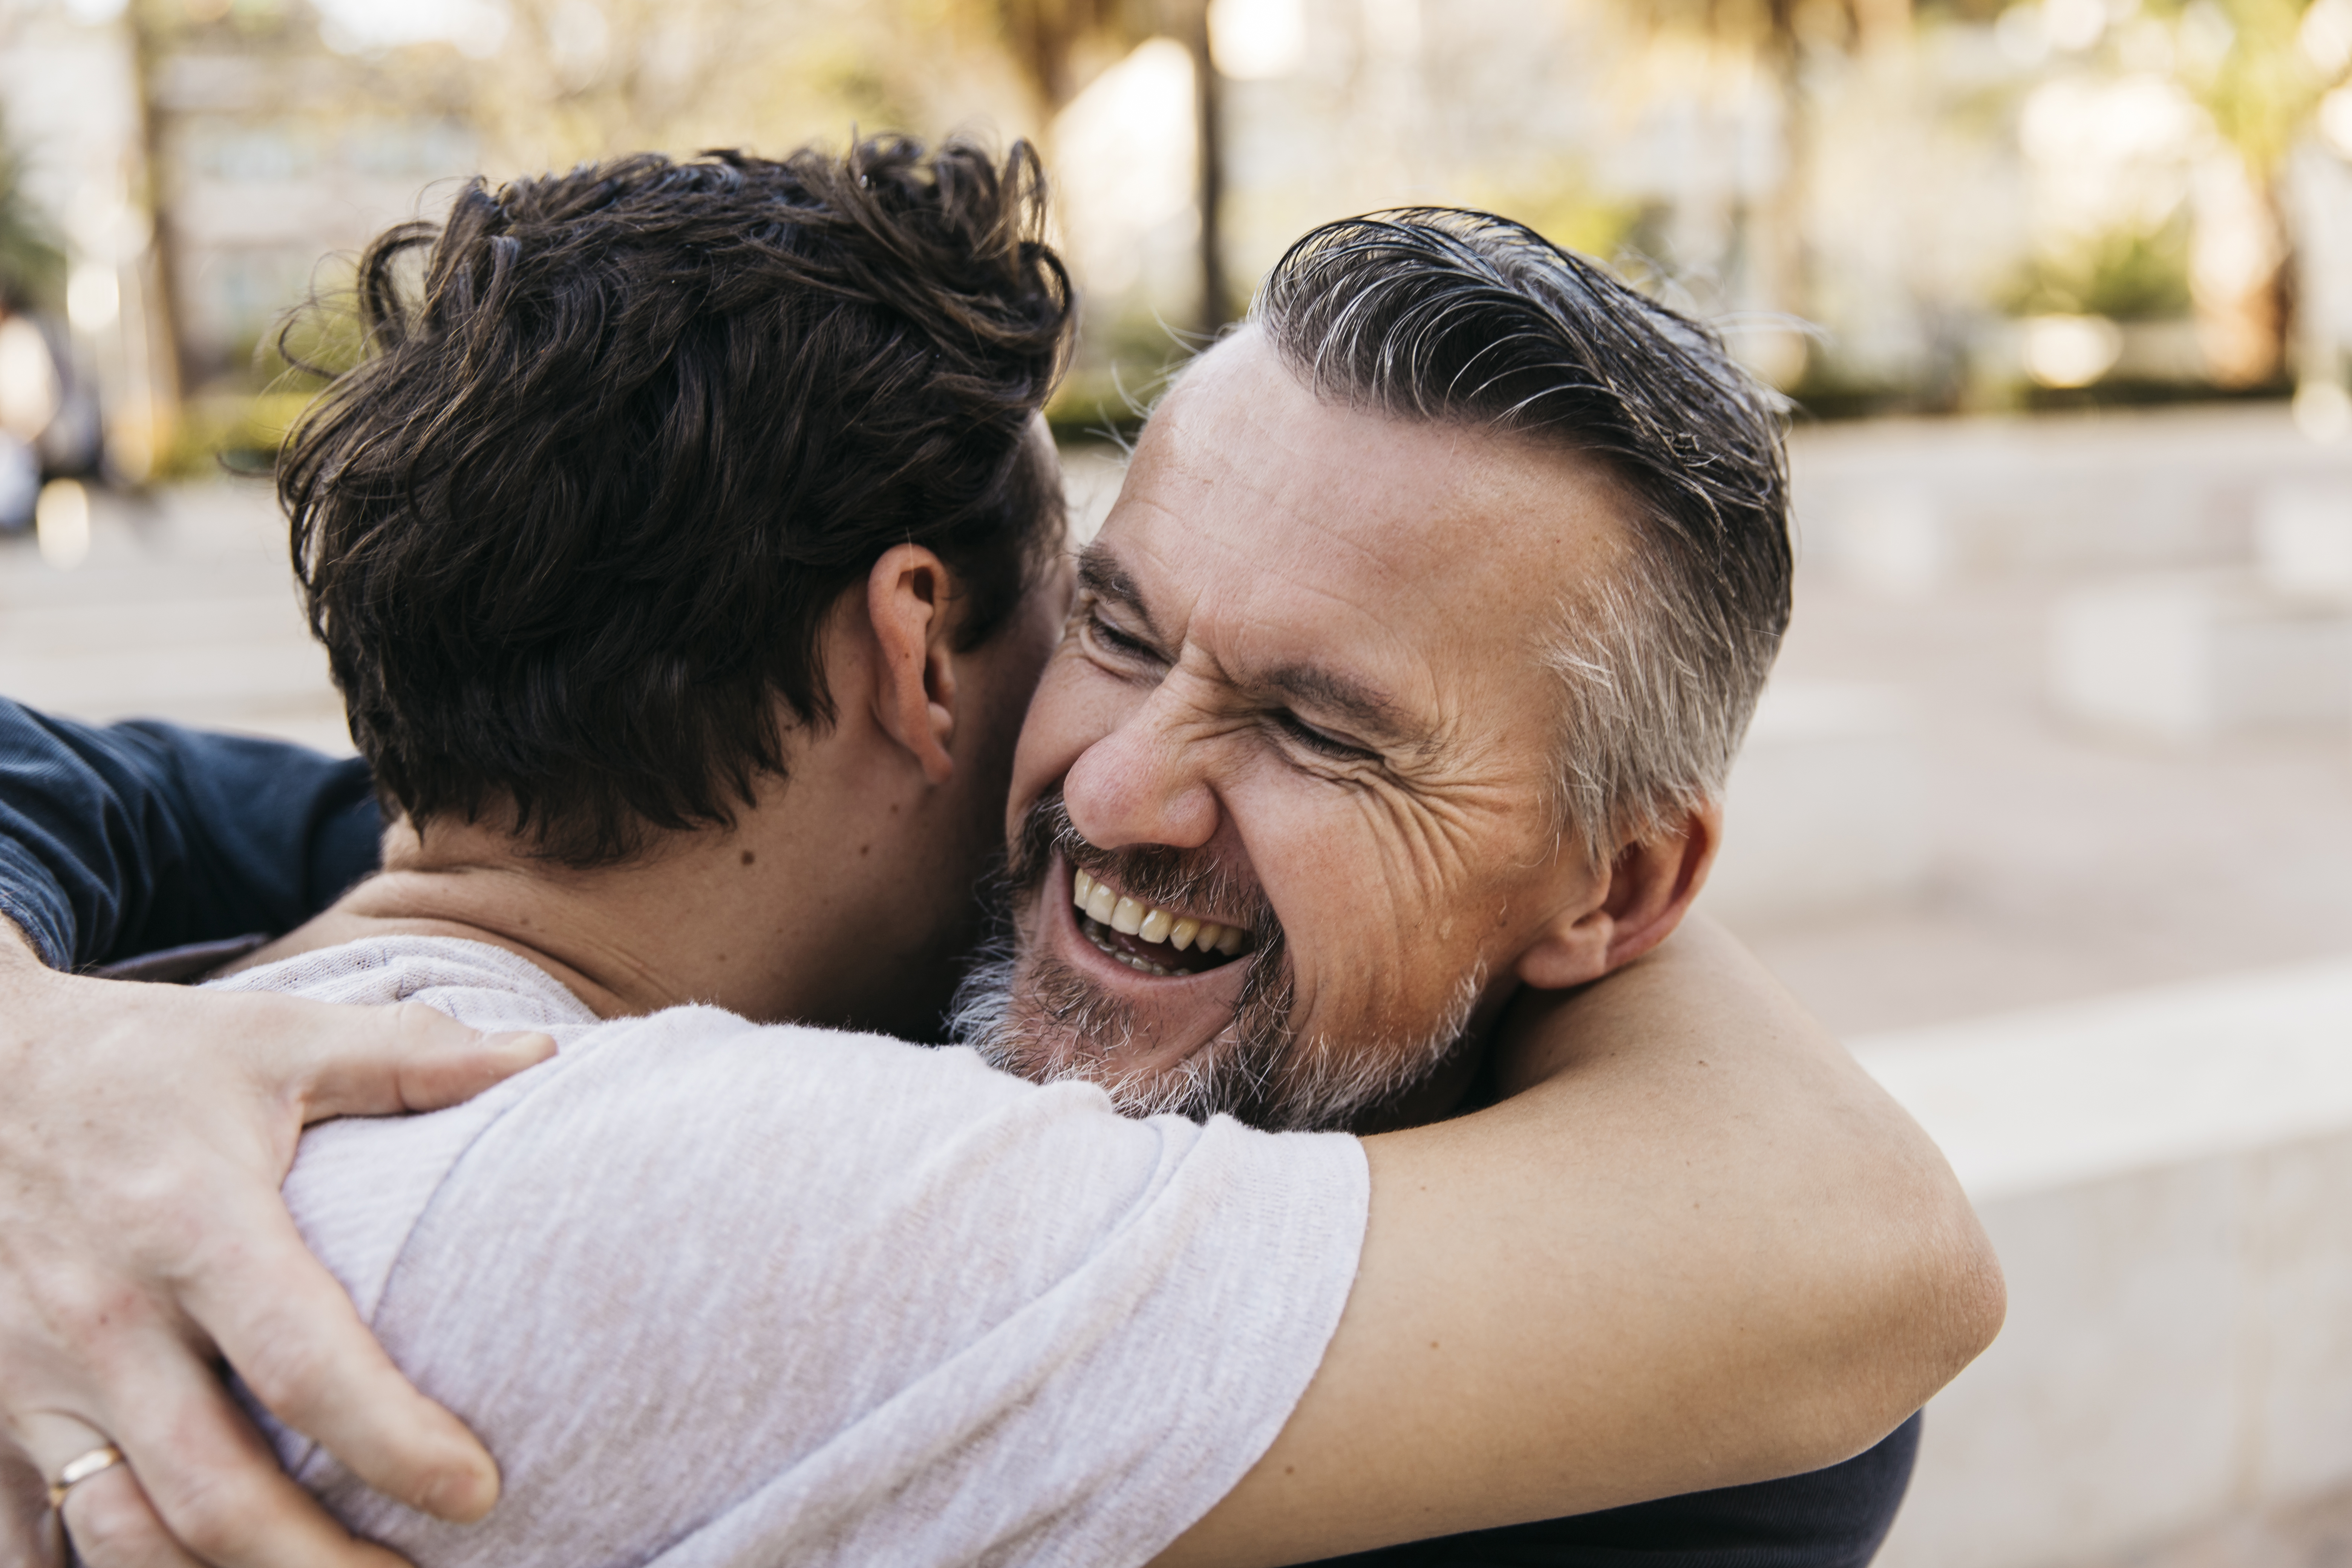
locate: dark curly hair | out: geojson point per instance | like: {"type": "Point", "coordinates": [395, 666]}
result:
{"type": "Point", "coordinates": [576, 520]}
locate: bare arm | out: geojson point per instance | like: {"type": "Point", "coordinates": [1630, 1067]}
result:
{"type": "Point", "coordinates": [142, 1138]}
{"type": "Point", "coordinates": [1698, 1246]}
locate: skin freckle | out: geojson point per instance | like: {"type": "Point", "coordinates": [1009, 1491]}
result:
{"type": "Point", "coordinates": [748, 856]}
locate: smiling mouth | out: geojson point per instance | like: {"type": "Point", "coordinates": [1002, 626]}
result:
{"type": "Point", "coordinates": [1150, 939]}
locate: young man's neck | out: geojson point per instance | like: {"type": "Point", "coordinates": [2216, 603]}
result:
{"type": "Point", "coordinates": [795, 914]}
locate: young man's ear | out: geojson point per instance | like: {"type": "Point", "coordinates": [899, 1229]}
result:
{"type": "Point", "coordinates": [1635, 905]}
{"type": "Point", "coordinates": [910, 603]}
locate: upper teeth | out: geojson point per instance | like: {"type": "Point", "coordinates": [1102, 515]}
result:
{"type": "Point", "coordinates": [1131, 918]}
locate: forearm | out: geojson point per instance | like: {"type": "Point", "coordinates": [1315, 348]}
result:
{"type": "Point", "coordinates": [1699, 1247]}
{"type": "Point", "coordinates": [124, 838]}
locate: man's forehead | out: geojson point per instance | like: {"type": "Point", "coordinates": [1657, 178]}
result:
{"type": "Point", "coordinates": [1248, 489]}
{"type": "Point", "coordinates": [1242, 445]}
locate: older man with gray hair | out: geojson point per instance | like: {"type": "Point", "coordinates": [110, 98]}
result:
{"type": "Point", "coordinates": [1504, 544]}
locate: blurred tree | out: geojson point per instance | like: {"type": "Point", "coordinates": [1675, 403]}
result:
{"type": "Point", "coordinates": [567, 79]}
{"type": "Point", "coordinates": [2261, 88]}
{"type": "Point", "coordinates": [2127, 274]}
{"type": "Point", "coordinates": [1060, 44]}
{"type": "Point", "coordinates": [578, 78]}
{"type": "Point", "coordinates": [1778, 36]}
{"type": "Point", "coordinates": [32, 266]}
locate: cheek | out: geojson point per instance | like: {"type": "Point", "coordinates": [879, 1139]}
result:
{"type": "Point", "coordinates": [1075, 707]}
{"type": "Point", "coordinates": [1382, 906]}
{"type": "Point", "coordinates": [1354, 931]}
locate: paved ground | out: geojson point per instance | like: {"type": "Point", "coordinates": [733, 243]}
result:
{"type": "Point", "coordinates": [2062, 865]}
{"type": "Point", "coordinates": [2315, 1535]}
{"type": "Point", "coordinates": [184, 609]}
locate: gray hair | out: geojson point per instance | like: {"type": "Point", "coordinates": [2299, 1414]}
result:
{"type": "Point", "coordinates": [1458, 317]}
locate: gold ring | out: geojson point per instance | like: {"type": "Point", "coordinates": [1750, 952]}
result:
{"type": "Point", "coordinates": [81, 1469]}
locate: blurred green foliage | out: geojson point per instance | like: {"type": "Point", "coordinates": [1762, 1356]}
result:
{"type": "Point", "coordinates": [318, 341]}
{"type": "Point", "coordinates": [1559, 202]}
{"type": "Point", "coordinates": [32, 264]}
{"type": "Point", "coordinates": [2125, 274]}
{"type": "Point", "coordinates": [2262, 90]}
{"type": "Point", "coordinates": [240, 427]}
{"type": "Point", "coordinates": [238, 432]}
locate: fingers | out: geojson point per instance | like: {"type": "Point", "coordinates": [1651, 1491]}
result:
{"type": "Point", "coordinates": [289, 1331]}
{"type": "Point", "coordinates": [29, 1532]}
{"type": "Point", "coordinates": [378, 1061]}
{"type": "Point", "coordinates": [113, 1526]}
{"type": "Point", "coordinates": [144, 1137]}
{"type": "Point", "coordinates": [198, 1472]}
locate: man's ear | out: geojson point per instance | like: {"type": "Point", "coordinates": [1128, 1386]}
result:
{"type": "Point", "coordinates": [908, 603]}
{"type": "Point", "coordinates": [1641, 897]}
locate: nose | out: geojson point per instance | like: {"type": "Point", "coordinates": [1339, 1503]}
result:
{"type": "Point", "coordinates": [1142, 784]}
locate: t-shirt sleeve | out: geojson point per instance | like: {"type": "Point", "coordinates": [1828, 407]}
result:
{"type": "Point", "coordinates": [720, 1294]}
{"type": "Point", "coordinates": [123, 838]}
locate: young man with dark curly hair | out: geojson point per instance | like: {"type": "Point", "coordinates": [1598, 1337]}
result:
{"type": "Point", "coordinates": [687, 551]}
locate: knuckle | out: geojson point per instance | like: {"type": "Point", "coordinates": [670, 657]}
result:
{"type": "Point", "coordinates": [88, 1319]}
{"type": "Point", "coordinates": [419, 1027]}
{"type": "Point", "coordinates": [286, 1372]}
{"type": "Point", "coordinates": [111, 1525]}
{"type": "Point", "coordinates": [216, 1515]}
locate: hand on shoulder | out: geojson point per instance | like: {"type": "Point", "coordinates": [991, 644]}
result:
{"type": "Point", "coordinates": [143, 1141]}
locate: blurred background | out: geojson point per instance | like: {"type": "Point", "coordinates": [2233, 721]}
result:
{"type": "Point", "coordinates": [2049, 810]}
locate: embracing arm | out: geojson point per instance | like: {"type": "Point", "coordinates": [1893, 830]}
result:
{"type": "Point", "coordinates": [145, 1131]}
{"type": "Point", "coordinates": [1698, 1246]}
{"type": "Point", "coordinates": [127, 837]}
{"type": "Point", "coordinates": [124, 838]}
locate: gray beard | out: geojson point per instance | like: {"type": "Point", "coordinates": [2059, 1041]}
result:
{"type": "Point", "coordinates": [1050, 1025]}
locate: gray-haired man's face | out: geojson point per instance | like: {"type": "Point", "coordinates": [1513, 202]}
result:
{"type": "Point", "coordinates": [1298, 719]}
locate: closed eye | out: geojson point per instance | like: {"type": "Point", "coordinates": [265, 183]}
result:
{"type": "Point", "coordinates": [1115, 642]}
{"type": "Point", "coordinates": [1315, 740]}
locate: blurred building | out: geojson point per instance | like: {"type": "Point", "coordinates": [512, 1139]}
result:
{"type": "Point", "coordinates": [1915, 205]}
{"type": "Point", "coordinates": [274, 166]}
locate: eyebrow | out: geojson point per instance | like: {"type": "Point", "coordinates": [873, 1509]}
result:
{"type": "Point", "coordinates": [1365, 707]}
{"type": "Point", "coordinates": [1105, 578]}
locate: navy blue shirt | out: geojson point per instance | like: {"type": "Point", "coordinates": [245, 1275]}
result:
{"type": "Point", "coordinates": [127, 839]}
{"type": "Point", "coordinates": [1835, 1518]}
